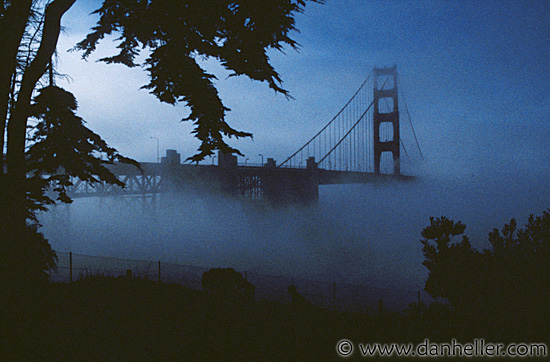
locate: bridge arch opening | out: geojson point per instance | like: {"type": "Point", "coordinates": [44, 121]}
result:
{"type": "Point", "coordinates": [386, 105]}
{"type": "Point", "coordinates": [386, 132]}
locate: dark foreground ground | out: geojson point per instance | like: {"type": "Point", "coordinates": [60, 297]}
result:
{"type": "Point", "coordinates": [119, 319]}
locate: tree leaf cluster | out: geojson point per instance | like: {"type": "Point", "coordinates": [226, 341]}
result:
{"type": "Point", "coordinates": [62, 147]}
{"type": "Point", "coordinates": [178, 35]}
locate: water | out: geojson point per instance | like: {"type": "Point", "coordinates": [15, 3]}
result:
{"type": "Point", "coordinates": [359, 234]}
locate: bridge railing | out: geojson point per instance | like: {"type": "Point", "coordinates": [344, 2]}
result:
{"type": "Point", "coordinates": [288, 165]}
{"type": "Point", "coordinates": [250, 164]}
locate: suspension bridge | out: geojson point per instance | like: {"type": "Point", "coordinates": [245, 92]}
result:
{"type": "Point", "coordinates": [360, 144]}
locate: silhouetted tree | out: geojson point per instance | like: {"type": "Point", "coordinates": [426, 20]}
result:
{"type": "Point", "coordinates": [506, 285]}
{"type": "Point", "coordinates": [43, 153]}
{"type": "Point", "coordinates": [60, 148]}
{"type": "Point", "coordinates": [28, 40]}
{"type": "Point", "coordinates": [519, 271]}
{"type": "Point", "coordinates": [63, 147]}
{"type": "Point", "coordinates": [236, 33]}
{"type": "Point", "coordinates": [452, 265]}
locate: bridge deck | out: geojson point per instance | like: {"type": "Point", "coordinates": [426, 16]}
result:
{"type": "Point", "coordinates": [283, 184]}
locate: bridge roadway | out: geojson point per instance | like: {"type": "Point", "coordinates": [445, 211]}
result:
{"type": "Point", "coordinates": [277, 185]}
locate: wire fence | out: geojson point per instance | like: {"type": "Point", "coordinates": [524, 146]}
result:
{"type": "Point", "coordinates": [324, 294]}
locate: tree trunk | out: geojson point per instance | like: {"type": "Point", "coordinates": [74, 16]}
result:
{"type": "Point", "coordinates": [15, 199]}
{"type": "Point", "coordinates": [12, 28]}
{"type": "Point", "coordinates": [18, 120]}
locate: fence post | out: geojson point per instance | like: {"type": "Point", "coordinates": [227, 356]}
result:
{"type": "Point", "coordinates": [334, 296]}
{"type": "Point", "coordinates": [70, 267]}
{"type": "Point", "coordinates": [159, 272]}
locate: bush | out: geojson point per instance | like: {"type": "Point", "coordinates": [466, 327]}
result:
{"type": "Point", "coordinates": [505, 287]}
{"type": "Point", "coordinates": [227, 284]}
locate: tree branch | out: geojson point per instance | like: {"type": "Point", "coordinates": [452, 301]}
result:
{"type": "Point", "coordinates": [18, 120]}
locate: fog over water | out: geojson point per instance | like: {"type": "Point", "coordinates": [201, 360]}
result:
{"type": "Point", "coordinates": [363, 234]}
{"type": "Point", "coordinates": [475, 75]}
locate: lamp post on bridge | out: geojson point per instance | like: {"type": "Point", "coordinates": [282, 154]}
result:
{"type": "Point", "coordinates": [262, 156]}
{"type": "Point", "coordinates": [158, 148]}
{"type": "Point", "coordinates": [246, 159]}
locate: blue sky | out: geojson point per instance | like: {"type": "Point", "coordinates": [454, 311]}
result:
{"type": "Point", "coordinates": [477, 82]}
{"type": "Point", "coordinates": [475, 74]}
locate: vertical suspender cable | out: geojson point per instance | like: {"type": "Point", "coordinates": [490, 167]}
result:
{"type": "Point", "coordinates": [410, 122]}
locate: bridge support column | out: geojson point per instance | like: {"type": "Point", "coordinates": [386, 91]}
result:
{"type": "Point", "coordinates": [311, 189]}
{"type": "Point", "coordinates": [387, 92]}
{"type": "Point", "coordinates": [229, 178]}
{"type": "Point", "coordinates": [169, 170]}
{"type": "Point", "coordinates": [287, 186]}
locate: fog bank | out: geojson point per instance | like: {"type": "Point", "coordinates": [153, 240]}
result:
{"type": "Point", "coordinates": [364, 234]}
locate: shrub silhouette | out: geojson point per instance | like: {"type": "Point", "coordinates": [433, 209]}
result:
{"type": "Point", "coordinates": [226, 283]}
{"type": "Point", "coordinates": [505, 287]}
{"type": "Point", "coordinates": [297, 298]}
{"type": "Point", "coordinates": [453, 266]}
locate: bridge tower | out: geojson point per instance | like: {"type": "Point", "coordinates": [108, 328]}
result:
{"type": "Point", "coordinates": [385, 93]}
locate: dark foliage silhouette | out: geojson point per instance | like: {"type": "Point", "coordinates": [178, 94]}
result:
{"type": "Point", "coordinates": [178, 35]}
{"type": "Point", "coordinates": [62, 146]}
{"type": "Point", "coordinates": [452, 265]}
{"type": "Point", "coordinates": [227, 284]}
{"type": "Point", "coordinates": [29, 261]}
{"type": "Point", "coordinates": [504, 288]}
{"type": "Point", "coordinates": [237, 34]}
{"type": "Point", "coordinates": [297, 298]}
{"type": "Point", "coordinates": [29, 31]}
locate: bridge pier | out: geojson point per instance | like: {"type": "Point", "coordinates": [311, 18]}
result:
{"type": "Point", "coordinates": [276, 186]}
{"type": "Point", "coordinates": [284, 186]}
{"type": "Point", "coordinates": [169, 167]}
{"type": "Point", "coordinates": [228, 176]}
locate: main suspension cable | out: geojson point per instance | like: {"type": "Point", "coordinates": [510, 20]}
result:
{"type": "Point", "coordinates": [329, 123]}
